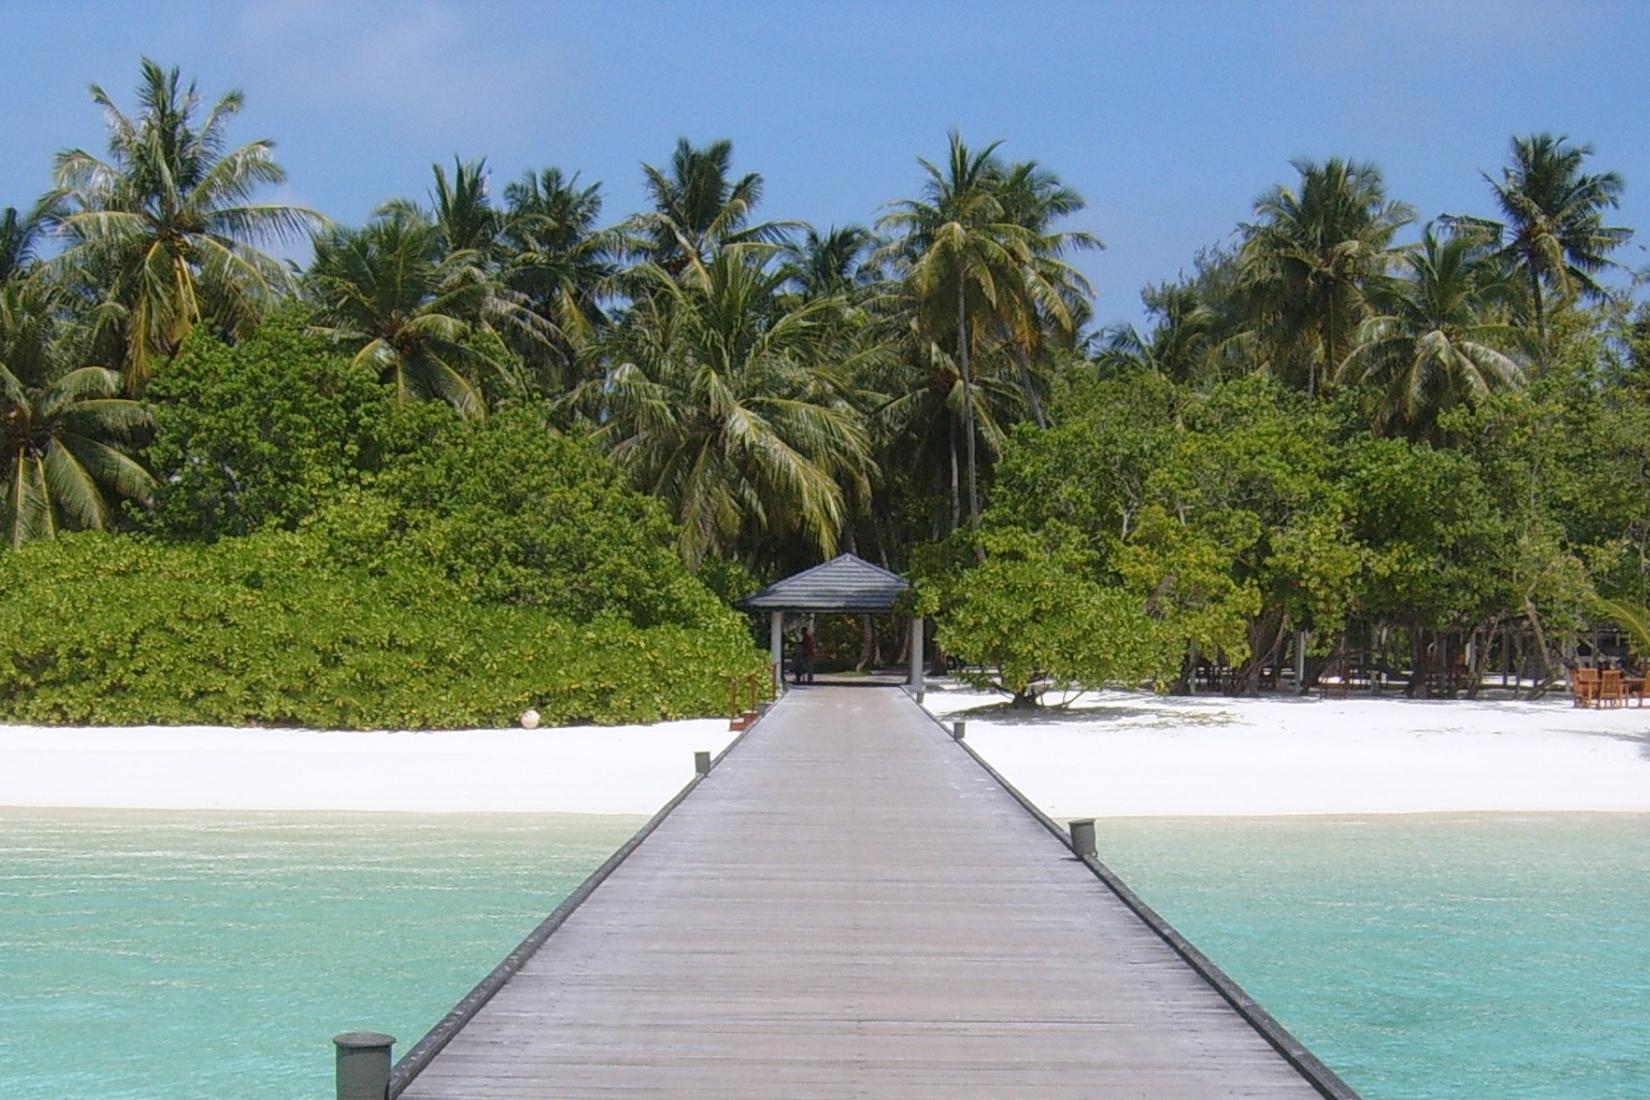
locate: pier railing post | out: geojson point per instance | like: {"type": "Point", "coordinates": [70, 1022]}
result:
{"type": "Point", "coordinates": [958, 729]}
{"type": "Point", "coordinates": [1082, 838]}
{"type": "Point", "coordinates": [363, 1065]}
{"type": "Point", "coordinates": [701, 763]}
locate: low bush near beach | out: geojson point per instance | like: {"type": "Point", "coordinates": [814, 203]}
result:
{"type": "Point", "coordinates": [100, 630]}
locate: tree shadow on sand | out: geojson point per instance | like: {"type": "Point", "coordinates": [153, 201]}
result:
{"type": "Point", "coordinates": [1169, 711]}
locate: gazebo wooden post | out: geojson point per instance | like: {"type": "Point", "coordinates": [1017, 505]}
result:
{"type": "Point", "coordinates": [776, 649]}
{"type": "Point", "coordinates": [915, 679]}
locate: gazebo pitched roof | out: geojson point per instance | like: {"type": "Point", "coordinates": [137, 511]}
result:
{"type": "Point", "coordinates": [845, 583]}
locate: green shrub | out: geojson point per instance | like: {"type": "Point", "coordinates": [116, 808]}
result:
{"type": "Point", "coordinates": [102, 630]}
{"type": "Point", "coordinates": [1028, 625]}
{"type": "Point", "coordinates": [257, 434]}
{"type": "Point", "coordinates": [512, 513]}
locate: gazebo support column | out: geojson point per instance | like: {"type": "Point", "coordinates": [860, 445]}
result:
{"type": "Point", "coordinates": [776, 649]}
{"type": "Point", "coordinates": [915, 679]}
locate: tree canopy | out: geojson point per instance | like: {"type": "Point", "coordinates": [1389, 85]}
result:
{"type": "Point", "coordinates": [1340, 430]}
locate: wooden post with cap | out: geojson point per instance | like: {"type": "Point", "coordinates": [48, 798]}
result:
{"type": "Point", "coordinates": [363, 1065]}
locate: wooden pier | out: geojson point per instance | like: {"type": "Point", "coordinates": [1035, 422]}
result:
{"type": "Point", "coordinates": [852, 904]}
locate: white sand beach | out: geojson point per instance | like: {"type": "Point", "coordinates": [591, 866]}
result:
{"type": "Point", "coordinates": [579, 769]}
{"type": "Point", "coordinates": [1118, 754]}
{"type": "Point", "coordinates": [1112, 754]}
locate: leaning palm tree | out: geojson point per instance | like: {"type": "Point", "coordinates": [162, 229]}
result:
{"type": "Point", "coordinates": [697, 209]}
{"type": "Point", "coordinates": [1552, 228]}
{"type": "Point", "coordinates": [165, 230]}
{"type": "Point", "coordinates": [66, 434]}
{"type": "Point", "coordinates": [1440, 337]}
{"type": "Point", "coordinates": [960, 251]}
{"type": "Point", "coordinates": [1634, 621]}
{"type": "Point", "coordinates": [1308, 256]}
{"type": "Point", "coordinates": [717, 401]}
{"type": "Point", "coordinates": [388, 293]}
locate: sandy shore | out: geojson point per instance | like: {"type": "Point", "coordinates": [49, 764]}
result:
{"type": "Point", "coordinates": [1123, 754]}
{"type": "Point", "coordinates": [582, 769]}
{"type": "Point", "coordinates": [1113, 754]}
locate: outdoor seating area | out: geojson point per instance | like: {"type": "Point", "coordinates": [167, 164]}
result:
{"type": "Point", "coordinates": [1607, 687]}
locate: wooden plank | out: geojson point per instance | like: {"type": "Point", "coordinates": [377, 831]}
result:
{"type": "Point", "coordinates": [849, 905]}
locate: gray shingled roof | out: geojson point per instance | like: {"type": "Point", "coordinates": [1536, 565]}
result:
{"type": "Point", "coordinates": [845, 583]}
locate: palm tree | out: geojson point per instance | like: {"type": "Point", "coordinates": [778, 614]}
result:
{"type": "Point", "coordinates": [165, 230]}
{"type": "Point", "coordinates": [559, 260]}
{"type": "Point", "coordinates": [460, 208]}
{"type": "Point", "coordinates": [1180, 344]}
{"type": "Point", "coordinates": [961, 252]}
{"type": "Point", "coordinates": [920, 418]}
{"type": "Point", "coordinates": [1052, 298]}
{"type": "Point", "coordinates": [835, 262]}
{"type": "Point", "coordinates": [21, 234]}
{"type": "Point", "coordinates": [717, 402]}
{"type": "Point", "coordinates": [1553, 227]}
{"type": "Point", "coordinates": [1308, 256]}
{"type": "Point", "coordinates": [1634, 621]}
{"type": "Point", "coordinates": [1440, 337]}
{"type": "Point", "coordinates": [66, 435]}
{"type": "Point", "coordinates": [388, 293]}
{"type": "Point", "coordinates": [697, 209]}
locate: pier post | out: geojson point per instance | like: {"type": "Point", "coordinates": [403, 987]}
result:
{"type": "Point", "coordinates": [701, 763]}
{"type": "Point", "coordinates": [1082, 838]}
{"type": "Point", "coordinates": [363, 1065]}
{"type": "Point", "coordinates": [958, 729]}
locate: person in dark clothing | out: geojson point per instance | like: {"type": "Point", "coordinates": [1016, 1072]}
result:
{"type": "Point", "coordinates": [805, 656]}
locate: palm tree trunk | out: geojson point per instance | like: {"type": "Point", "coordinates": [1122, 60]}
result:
{"type": "Point", "coordinates": [870, 654]}
{"type": "Point", "coordinates": [1540, 313]}
{"type": "Point", "coordinates": [968, 403]}
{"type": "Point", "coordinates": [956, 496]}
{"type": "Point", "coordinates": [1326, 337]}
{"type": "Point", "coordinates": [18, 489]}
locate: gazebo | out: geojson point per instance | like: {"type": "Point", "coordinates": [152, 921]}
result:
{"type": "Point", "coordinates": [847, 585]}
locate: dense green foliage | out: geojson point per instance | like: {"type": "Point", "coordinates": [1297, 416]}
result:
{"type": "Point", "coordinates": [1411, 445]}
{"type": "Point", "coordinates": [1029, 620]}
{"type": "Point", "coordinates": [259, 433]}
{"type": "Point", "coordinates": [103, 630]}
{"type": "Point", "coordinates": [1240, 513]}
{"type": "Point", "coordinates": [511, 513]}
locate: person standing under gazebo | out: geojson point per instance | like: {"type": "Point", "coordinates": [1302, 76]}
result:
{"type": "Point", "coordinates": [805, 656]}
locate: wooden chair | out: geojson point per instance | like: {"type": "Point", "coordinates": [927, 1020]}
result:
{"type": "Point", "coordinates": [1612, 690]}
{"type": "Point", "coordinates": [1584, 686]}
{"type": "Point", "coordinates": [1641, 691]}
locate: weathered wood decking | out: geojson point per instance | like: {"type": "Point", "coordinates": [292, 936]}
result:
{"type": "Point", "coordinates": [851, 905]}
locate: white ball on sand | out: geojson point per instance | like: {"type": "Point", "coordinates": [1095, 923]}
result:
{"type": "Point", "coordinates": [529, 719]}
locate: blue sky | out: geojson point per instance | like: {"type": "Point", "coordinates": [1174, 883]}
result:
{"type": "Point", "coordinates": [1169, 118]}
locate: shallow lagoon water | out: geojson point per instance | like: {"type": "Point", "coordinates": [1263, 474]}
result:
{"type": "Point", "coordinates": [170, 956]}
{"type": "Point", "coordinates": [173, 956]}
{"type": "Point", "coordinates": [1425, 956]}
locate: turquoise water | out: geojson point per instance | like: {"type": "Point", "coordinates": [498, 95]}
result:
{"type": "Point", "coordinates": [1425, 957]}
{"type": "Point", "coordinates": [167, 956]}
